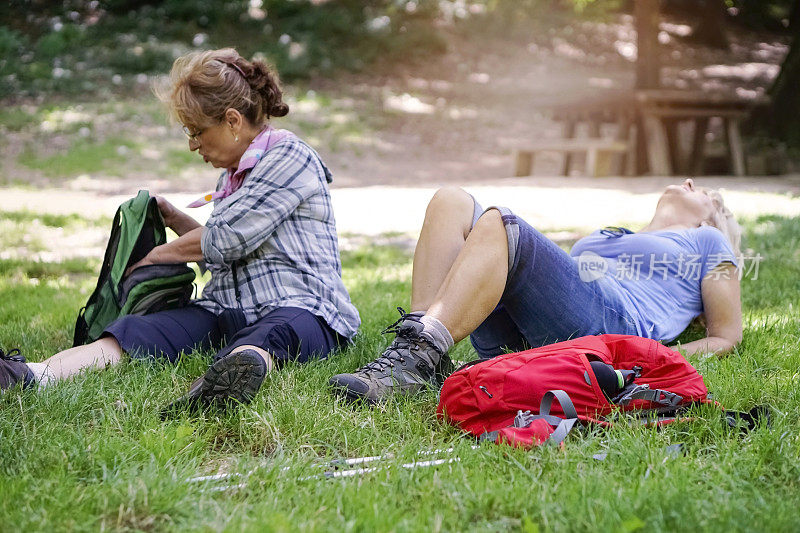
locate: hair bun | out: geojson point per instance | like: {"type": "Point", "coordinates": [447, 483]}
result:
{"type": "Point", "coordinates": [264, 80]}
{"type": "Point", "coordinates": [279, 110]}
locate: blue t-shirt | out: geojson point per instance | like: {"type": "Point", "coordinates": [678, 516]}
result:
{"type": "Point", "coordinates": [659, 273]}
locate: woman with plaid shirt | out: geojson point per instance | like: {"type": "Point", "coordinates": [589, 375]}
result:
{"type": "Point", "coordinates": [276, 292]}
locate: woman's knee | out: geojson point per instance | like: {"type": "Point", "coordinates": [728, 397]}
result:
{"type": "Point", "coordinates": [450, 199]}
{"type": "Point", "coordinates": [490, 222]}
{"type": "Point", "coordinates": [452, 204]}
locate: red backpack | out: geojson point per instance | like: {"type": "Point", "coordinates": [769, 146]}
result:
{"type": "Point", "coordinates": [510, 398]}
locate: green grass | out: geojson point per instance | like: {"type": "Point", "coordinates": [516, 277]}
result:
{"type": "Point", "coordinates": [82, 157]}
{"type": "Point", "coordinates": [65, 138]}
{"type": "Point", "coordinates": [17, 118]}
{"type": "Point", "coordinates": [92, 454]}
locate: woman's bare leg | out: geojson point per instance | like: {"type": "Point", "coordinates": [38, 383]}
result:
{"type": "Point", "coordinates": [99, 354]}
{"type": "Point", "coordinates": [447, 223]}
{"type": "Point", "coordinates": [476, 281]}
{"type": "Point", "coordinates": [260, 351]}
{"type": "Point", "coordinates": [466, 294]}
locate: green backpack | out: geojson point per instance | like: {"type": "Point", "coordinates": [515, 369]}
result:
{"type": "Point", "coordinates": [138, 228]}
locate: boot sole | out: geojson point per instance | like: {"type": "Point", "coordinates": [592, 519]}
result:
{"type": "Point", "coordinates": [237, 376]}
{"type": "Point", "coordinates": [354, 397]}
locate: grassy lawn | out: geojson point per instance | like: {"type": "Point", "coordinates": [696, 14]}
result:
{"type": "Point", "coordinates": [93, 454]}
{"type": "Point", "coordinates": [57, 142]}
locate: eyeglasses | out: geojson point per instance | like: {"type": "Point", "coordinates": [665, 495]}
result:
{"type": "Point", "coordinates": [615, 231]}
{"type": "Point", "coordinates": [192, 136]}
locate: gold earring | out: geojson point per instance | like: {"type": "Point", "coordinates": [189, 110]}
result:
{"type": "Point", "coordinates": [235, 138]}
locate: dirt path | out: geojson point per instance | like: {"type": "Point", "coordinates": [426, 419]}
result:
{"type": "Point", "coordinates": [550, 203]}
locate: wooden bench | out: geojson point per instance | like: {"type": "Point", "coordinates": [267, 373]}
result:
{"type": "Point", "coordinates": [599, 153]}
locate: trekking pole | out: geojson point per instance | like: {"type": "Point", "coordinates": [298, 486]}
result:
{"type": "Point", "coordinates": [333, 474]}
{"type": "Point", "coordinates": [334, 468]}
{"type": "Point", "coordinates": [408, 466]}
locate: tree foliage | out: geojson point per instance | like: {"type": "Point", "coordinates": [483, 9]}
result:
{"type": "Point", "coordinates": [80, 45]}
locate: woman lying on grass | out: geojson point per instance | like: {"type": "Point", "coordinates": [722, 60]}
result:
{"type": "Point", "coordinates": [489, 275]}
{"type": "Point", "coordinates": [276, 291]}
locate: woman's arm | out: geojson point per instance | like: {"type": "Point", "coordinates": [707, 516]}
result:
{"type": "Point", "coordinates": [180, 222]}
{"type": "Point", "coordinates": [723, 311]}
{"type": "Point", "coordinates": [184, 249]}
{"type": "Point", "coordinates": [285, 178]}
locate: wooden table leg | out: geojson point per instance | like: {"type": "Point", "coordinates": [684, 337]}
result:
{"type": "Point", "coordinates": [624, 162]}
{"type": "Point", "coordinates": [569, 133]}
{"type": "Point", "coordinates": [599, 162]}
{"type": "Point", "coordinates": [673, 146]}
{"type": "Point", "coordinates": [735, 146]}
{"type": "Point", "coordinates": [657, 147]}
{"type": "Point", "coordinates": [523, 163]}
{"type": "Point", "coordinates": [640, 160]}
{"type": "Point", "coordinates": [697, 157]}
{"type": "Point", "coordinates": [594, 127]}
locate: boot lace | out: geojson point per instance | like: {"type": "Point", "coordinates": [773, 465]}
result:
{"type": "Point", "coordinates": [12, 355]}
{"type": "Point", "coordinates": [405, 338]}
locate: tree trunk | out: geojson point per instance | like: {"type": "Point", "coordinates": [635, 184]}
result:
{"type": "Point", "coordinates": [710, 29]}
{"type": "Point", "coordinates": [782, 118]}
{"type": "Point", "coordinates": [648, 68]}
{"type": "Point", "coordinates": [794, 18]}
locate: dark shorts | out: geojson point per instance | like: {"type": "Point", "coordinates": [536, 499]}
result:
{"type": "Point", "coordinates": [545, 300]}
{"type": "Point", "coordinates": [288, 333]}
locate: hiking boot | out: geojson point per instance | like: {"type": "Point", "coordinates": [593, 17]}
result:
{"type": "Point", "coordinates": [410, 364]}
{"type": "Point", "coordinates": [14, 370]}
{"type": "Point", "coordinates": [237, 376]}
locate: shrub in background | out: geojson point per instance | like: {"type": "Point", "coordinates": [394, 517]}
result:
{"type": "Point", "coordinates": [77, 45]}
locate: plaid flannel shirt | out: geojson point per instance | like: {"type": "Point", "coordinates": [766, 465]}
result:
{"type": "Point", "coordinates": [273, 243]}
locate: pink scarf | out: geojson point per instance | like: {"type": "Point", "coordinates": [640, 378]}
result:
{"type": "Point", "coordinates": [265, 140]}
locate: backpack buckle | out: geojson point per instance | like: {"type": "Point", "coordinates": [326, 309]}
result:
{"type": "Point", "coordinates": [523, 419]}
{"type": "Point", "coordinates": [644, 392]}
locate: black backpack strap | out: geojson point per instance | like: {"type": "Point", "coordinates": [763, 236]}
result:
{"type": "Point", "coordinates": [747, 421]}
{"type": "Point", "coordinates": [81, 334]}
{"type": "Point", "coordinates": [81, 329]}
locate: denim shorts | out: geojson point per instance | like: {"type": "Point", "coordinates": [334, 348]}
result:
{"type": "Point", "coordinates": [288, 333]}
{"type": "Point", "coordinates": [545, 300]}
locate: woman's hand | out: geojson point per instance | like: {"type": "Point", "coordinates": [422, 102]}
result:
{"type": "Point", "coordinates": [174, 218]}
{"type": "Point", "coordinates": [168, 211]}
{"type": "Point", "coordinates": [185, 249]}
{"type": "Point", "coordinates": [146, 260]}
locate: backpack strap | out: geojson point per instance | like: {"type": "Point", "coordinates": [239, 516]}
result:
{"type": "Point", "coordinates": [563, 399]}
{"type": "Point", "coordinates": [749, 420]}
{"type": "Point", "coordinates": [562, 425]}
{"type": "Point", "coordinates": [524, 418]}
{"type": "Point", "coordinates": [562, 430]}
{"type": "Point", "coordinates": [644, 392]}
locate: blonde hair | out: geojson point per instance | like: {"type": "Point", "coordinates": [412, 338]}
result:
{"type": "Point", "coordinates": [722, 218]}
{"type": "Point", "coordinates": [203, 85]}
